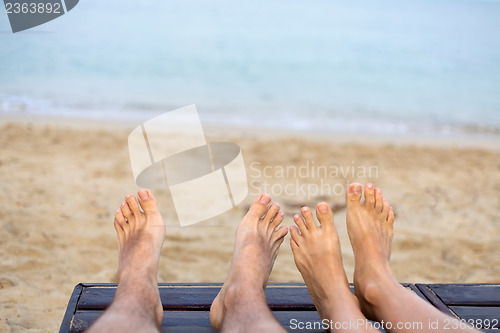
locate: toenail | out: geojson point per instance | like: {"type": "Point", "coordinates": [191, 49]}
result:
{"type": "Point", "coordinates": [123, 204]}
{"type": "Point", "coordinates": [358, 189]}
{"type": "Point", "coordinates": [128, 196]}
{"type": "Point", "coordinates": [370, 186]}
{"type": "Point", "coordinates": [265, 199]}
{"type": "Point", "coordinates": [277, 205]}
{"type": "Point", "coordinates": [304, 209]}
{"type": "Point", "coordinates": [378, 190]}
{"type": "Point", "coordinates": [143, 195]}
{"type": "Point", "coordinates": [323, 208]}
{"type": "Point", "coordinates": [296, 217]}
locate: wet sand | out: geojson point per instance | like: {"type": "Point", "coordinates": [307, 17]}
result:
{"type": "Point", "coordinates": [61, 182]}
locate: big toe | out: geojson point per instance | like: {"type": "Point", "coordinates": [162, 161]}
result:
{"type": "Point", "coordinates": [353, 194]}
{"type": "Point", "coordinates": [259, 206]}
{"type": "Point", "coordinates": [148, 202]}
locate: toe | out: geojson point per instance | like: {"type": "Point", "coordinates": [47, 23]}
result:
{"type": "Point", "coordinates": [277, 220]}
{"type": "Point", "coordinates": [122, 224]}
{"type": "Point", "coordinates": [378, 200]}
{"type": "Point", "coordinates": [132, 203]}
{"type": "Point", "coordinates": [148, 202]}
{"type": "Point", "coordinates": [119, 229]}
{"type": "Point", "coordinates": [294, 246]}
{"type": "Point", "coordinates": [390, 217]}
{"type": "Point", "coordinates": [353, 194]}
{"type": "Point", "coordinates": [385, 208]}
{"type": "Point", "coordinates": [369, 197]}
{"type": "Point", "coordinates": [126, 211]}
{"type": "Point", "coordinates": [308, 218]}
{"type": "Point", "coordinates": [324, 214]}
{"type": "Point", "coordinates": [259, 206]}
{"type": "Point", "coordinates": [271, 213]}
{"type": "Point", "coordinates": [300, 224]}
{"type": "Point", "coordinates": [295, 236]}
{"type": "Point", "coordinates": [120, 219]}
{"type": "Point", "coordinates": [280, 233]}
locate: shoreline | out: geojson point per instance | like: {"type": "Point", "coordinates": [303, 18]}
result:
{"type": "Point", "coordinates": [486, 141]}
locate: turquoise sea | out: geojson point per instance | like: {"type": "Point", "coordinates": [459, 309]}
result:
{"type": "Point", "coordinates": [378, 66]}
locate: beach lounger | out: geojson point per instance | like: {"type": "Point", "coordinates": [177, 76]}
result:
{"type": "Point", "coordinates": [187, 306]}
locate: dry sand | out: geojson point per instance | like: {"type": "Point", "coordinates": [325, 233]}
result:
{"type": "Point", "coordinates": [60, 184]}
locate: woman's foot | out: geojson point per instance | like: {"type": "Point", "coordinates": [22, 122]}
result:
{"type": "Point", "coordinates": [317, 254]}
{"type": "Point", "coordinates": [255, 249]}
{"type": "Point", "coordinates": [370, 229]}
{"type": "Point", "coordinates": [140, 237]}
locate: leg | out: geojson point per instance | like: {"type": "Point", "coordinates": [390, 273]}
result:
{"type": "Point", "coordinates": [241, 304]}
{"type": "Point", "coordinates": [370, 228]}
{"type": "Point", "coordinates": [316, 251]}
{"type": "Point", "coordinates": [137, 305]}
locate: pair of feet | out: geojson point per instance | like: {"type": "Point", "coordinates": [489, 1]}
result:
{"type": "Point", "coordinates": [316, 251]}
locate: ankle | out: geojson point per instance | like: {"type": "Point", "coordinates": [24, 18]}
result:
{"type": "Point", "coordinates": [338, 305]}
{"type": "Point", "coordinates": [239, 292]}
{"type": "Point", "coordinates": [375, 291]}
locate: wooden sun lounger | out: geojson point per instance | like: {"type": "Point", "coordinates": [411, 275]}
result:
{"type": "Point", "coordinates": [186, 306]}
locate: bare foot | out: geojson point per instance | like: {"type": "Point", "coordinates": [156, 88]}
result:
{"type": "Point", "coordinates": [317, 254]}
{"type": "Point", "coordinates": [140, 237]}
{"type": "Point", "coordinates": [370, 228]}
{"type": "Point", "coordinates": [255, 249]}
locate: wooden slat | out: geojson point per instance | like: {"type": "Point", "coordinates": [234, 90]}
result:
{"type": "Point", "coordinates": [434, 299]}
{"type": "Point", "coordinates": [200, 298]}
{"type": "Point", "coordinates": [417, 291]}
{"type": "Point", "coordinates": [480, 294]}
{"type": "Point", "coordinates": [195, 321]}
{"type": "Point", "coordinates": [71, 308]}
{"type": "Point", "coordinates": [480, 313]}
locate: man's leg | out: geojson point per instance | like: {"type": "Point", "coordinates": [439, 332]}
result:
{"type": "Point", "coordinates": [137, 305]}
{"type": "Point", "coordinates": [241, 304]}
{"type": "Point", "coordinates": [370, 228]}
{"type": "Point", "coordinates": [316, 251]}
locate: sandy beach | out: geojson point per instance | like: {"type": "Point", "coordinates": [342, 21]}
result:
{"type": "Point", "coordinates": [60, 183]}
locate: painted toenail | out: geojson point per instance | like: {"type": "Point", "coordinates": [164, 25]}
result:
{"type": "Point", "coordinates": [304, 209]}
{"type": "Point", "coordinates": [296, 217]}
{"type": "Point", "coordinates": [143, 195]}
{"type": "Point", "coordinates": [123, 204]}
{"type": "Point", "coordinates": [265, 199]}
{"type": "Point", "coordinates": [370, 186]}
{"type": "Point", "coordinates": [358, 189]}
{"type": "Point", "coordinates": [323, 208]}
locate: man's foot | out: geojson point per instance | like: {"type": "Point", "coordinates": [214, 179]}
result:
{"type": "Point", "coordinates": [370, 229]}
{"type": "Point", "coordinates": [317, 254]}
{"type": "Point", "coordinates": [140, 237]}
{"type": "Point", "coordinates": [255, 249]}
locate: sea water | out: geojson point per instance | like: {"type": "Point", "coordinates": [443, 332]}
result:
{"type": "Point", "coordinates": [379, 66]}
